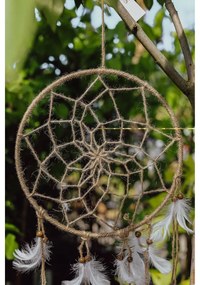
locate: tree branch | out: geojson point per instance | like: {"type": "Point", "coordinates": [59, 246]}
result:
{"type": "Point", "coordinates": [186, 87]}
{"type": "Point", "coordinates": [182, 39]}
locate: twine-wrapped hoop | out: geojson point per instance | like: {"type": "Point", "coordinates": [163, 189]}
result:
{"type": "Point", "coordinates": [98, 150]}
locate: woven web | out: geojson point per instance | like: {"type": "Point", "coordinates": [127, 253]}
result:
{"type": "Point", "coordinates": [92, 163]}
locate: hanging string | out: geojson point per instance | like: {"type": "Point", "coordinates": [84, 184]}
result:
{"type": "Point", "coordinates": [146, 255]}
{"type": "Point", "coordinates": [103, 53]}
{"type": "Point", "coordinates": [42, 240]}
{"type": "Point", "coordinates": [84, 242]}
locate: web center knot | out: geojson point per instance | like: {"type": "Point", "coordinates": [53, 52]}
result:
{"type": "Point", "coordinates": [97, 155]}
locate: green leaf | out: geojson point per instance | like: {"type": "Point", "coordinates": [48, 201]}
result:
{"type": "Point", "coordinates": [78, 45]}
{"type": "Point", "coordinates": [161, 2]}
{"type": "Point", "coordinates": [185, 282]}
{"type": "Point", "coordinates": [148, 4]}
{"type": "Point", "coordinates": [11, 245]}
{"type": "Point", "coordinates": [158, 30]}
{"type": "Point", "coordinates": [51, 9]}
{"type": "Point", "coordinates": [9, 203]}
{"type": "Point", "coordinates": [164, 279]}
{"type": "Point", "coordinates": [159, 278]}
{"type": "Point", "coordinates": [21, 28]}
{"type": "Point", "coordinates": [12, 228]}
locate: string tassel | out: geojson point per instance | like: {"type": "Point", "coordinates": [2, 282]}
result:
{"type": "Point", "coordinates": [30, 257]}
{"type": "Point", "coordinates": [179, 210]}
{"type": "Point", "coordinates": [131, 268]}
{"type": "Point", "coordinates": [89, 272]}
{"type": "Point", "coordinates": [122, 271]}
{"type": "Point", "coordinates": [141, 245]}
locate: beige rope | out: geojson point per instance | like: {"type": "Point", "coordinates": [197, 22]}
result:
{"type": "Point", "coordinates": [41, 228]}
{"type": "Point", "coordinates": [43, 273]}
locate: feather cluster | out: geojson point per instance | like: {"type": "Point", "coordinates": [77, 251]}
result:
{"type": "Point", "coordinates": [90, 272]}
{"type": "Point", "coordinates": [30, 257]}
{"type": "Point", "coordinates": [133, 270]}
{"type": "Point", "coordinates": [178, 210]}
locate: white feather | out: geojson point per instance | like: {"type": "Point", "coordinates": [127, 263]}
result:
{"type": "Point", "coordinates": [94, 273]}
{"type": "Point", "coordinates": [137, 268]}
{"type": "Point", "coordinates": [140, 245]}
{"type": "Point", "coordinates": [79, 268]}
{"type": "Point", "coordinates": [28, 252]}
{"type": "Point", "coordinates": [122, 271]}
{"type": "Point", "coordinates": [163, 265]}
{"type": "Point", "coordinates": [182, 210]}
{"type": "Point", "coordinates": [137, 244]}
{"type": "Point", "coordinates": [137, 265]}
{"type": "Point", "coordinates": [90, 273]}
{"type": "Point", "coordinates": [178, 210]}
{"type": "Point", "coordinates": [161, 229]}
{"type": "Point", "coordinates": [30, 257]}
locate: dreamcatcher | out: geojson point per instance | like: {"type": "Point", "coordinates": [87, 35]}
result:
{"type": "Point", "coordinates": [92, 160]}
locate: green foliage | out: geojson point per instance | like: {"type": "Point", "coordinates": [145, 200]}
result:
{"type": "Point", "coordinates": [158, 20]}
{"type": "Point", "coordinates": [51, 9]}
{"type": "Point", "coordinates": [20, 32]}
{"type": "Point", "coordinates": [185, 282]}
{"type": "Point", "coordinates": [12, 228]}
{"type": "Point", "coordinates": [148, 4]}
{"type": "Point", "coordinates": [11, 245]}
{"type": "Point", "coordinates": [161, 2]}
{"type": "Point", "coordinates": [189, 174]}
{"type": "Point", "coordinates": [159, 278]}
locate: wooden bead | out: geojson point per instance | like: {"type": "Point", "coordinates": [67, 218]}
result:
{"type": "Point", "coordinates": [149, 241]}
{"type": "Point", "coordinates": [130, 259]}
{"type": "Point", "coordinates": [138, 234]}
{"type": "Point", "coordinates": [120, 257]}
{"type": "Point", "coordinates": [180, 196]}
{"type": "Point", "coordinates": [88, 258]}
{"type": "Point", "coordinates": [40, 234]}
{"type": "Point", "coordinates": [81, 260]}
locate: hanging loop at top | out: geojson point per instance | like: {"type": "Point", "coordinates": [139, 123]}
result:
{"type": "Point", "coordinates": [103, 53]}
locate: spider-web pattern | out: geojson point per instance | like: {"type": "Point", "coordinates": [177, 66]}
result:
{"type": "Point", "coordinates": [95, 169]}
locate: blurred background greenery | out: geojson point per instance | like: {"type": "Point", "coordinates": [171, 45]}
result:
{"type": "Point", "coordinates": [46, 39]}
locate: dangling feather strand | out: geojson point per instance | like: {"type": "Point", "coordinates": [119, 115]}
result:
{"type": "Point", "coordinates": [163, 265]}
{"type": "Point", "coordinates": [182, 211]}
{"type": "Point", "coordinates": [30, 257]}
{"type": "Point", "coordinates": [137, 268]}
{"type": "Point", "coordinates": [94, 271]}
{"type": "Point", "coordinates": [132, 271]}
{"type": "Point", "coordinates": [79, 269]}
{"type": "Point", "coordinates": [178, 210]}
{"type": "Point", "coordinates": [140, 246]}
{"type": "Point", "coordinates": [90, 272]}
{"type": "Point", "coordinates": [122, 271]}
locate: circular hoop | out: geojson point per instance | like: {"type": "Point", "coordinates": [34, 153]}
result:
{"type": "Point", "coordinates": [67, 78]}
